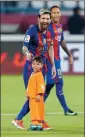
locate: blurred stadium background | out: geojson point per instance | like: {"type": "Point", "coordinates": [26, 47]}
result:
{"type": "Point", "coordinates": [16, 16]}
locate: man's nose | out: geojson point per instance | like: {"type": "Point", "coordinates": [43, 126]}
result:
{"type": "Point", "coordinates": [45, 20]}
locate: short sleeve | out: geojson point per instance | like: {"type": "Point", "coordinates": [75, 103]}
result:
{"type": "Point", "coordinates": [28, 35]}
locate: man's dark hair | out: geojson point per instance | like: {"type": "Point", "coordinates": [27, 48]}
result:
{"type": "Point", "coordinates": [37, 59]}
{"type": "Point", "coordinates": [55, 6]}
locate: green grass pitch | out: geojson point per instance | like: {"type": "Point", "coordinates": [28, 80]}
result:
{"type": "Point", "coordinates": [13, 97]}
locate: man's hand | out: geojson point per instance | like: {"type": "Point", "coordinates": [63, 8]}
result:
{"type": "Point", "coordinates": [29, 55]}
{"type": "Point", "coordinates": [70, 59]}
{"type": "Point", "coordinates": [53, 71]}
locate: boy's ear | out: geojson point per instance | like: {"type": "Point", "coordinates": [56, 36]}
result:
{"type": "Point", "coordinates": [42, 65]}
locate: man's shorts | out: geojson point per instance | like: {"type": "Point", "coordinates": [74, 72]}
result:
{"type": "Point", "coordinates": [58, 78]}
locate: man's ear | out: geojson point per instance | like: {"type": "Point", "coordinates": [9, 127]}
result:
{"type": "Point", "coordinates": [38, 19]}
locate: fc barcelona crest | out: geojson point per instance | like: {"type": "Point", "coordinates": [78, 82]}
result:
{"type": "Point", "coordinates": [60, 30]}
{"type": "Point", "coordinates": [44, 41]}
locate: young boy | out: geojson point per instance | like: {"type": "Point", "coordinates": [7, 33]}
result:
{"type": "Point", "coordinates": [35, 93]}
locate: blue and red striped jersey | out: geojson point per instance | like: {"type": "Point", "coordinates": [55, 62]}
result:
{"type": "Point", "coordinates": [37, 42]}
{"type": "Point", "coordinates": [57, 36]}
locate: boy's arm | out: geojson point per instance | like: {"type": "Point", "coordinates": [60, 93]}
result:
{"type": "Point", "coordinates": [40, 84]}
{"type": "Point", "coordinates": [27, 96]}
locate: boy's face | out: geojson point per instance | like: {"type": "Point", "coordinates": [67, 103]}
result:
{"type": "Point", "coordinates": [36, 66]}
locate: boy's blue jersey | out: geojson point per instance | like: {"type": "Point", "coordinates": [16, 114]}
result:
{"type": "Point", "coordinates": [58, 37]}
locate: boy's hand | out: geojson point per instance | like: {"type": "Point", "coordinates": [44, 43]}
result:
{"type": "Point", "coordinates": [27, 97]}
{"type": "Point", "coordinates": [38, 98]}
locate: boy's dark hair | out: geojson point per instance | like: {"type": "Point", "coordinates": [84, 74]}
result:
{"type": "Point", "coordinates": [38, 59]}
{"type": "Point", "coordinates": [55, 6]}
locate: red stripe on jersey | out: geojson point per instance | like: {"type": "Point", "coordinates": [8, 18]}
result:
{"type": "Point", "coordinates": [48, 38]}
{"type": "Point", "coordinates": [41, 44]}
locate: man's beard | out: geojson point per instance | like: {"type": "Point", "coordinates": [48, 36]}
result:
{"type": "Point", "coordinates": [44, 26]}
{"type": "Point", "coordinates": [56, 21]}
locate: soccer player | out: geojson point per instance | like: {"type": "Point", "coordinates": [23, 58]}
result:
{"type": "Point", "coordinates": [58, 40]}
{"type": "Point", "coordinates": [38, 42]}
{"type": "Point", "coordinates": [35, 94]}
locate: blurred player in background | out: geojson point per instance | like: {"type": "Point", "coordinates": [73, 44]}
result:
{"type": "Point", "coordinates": [35, 94]}
{"type": "Point", "coordinates": [58, 40]}
{"type": "Point", "coordinates": [38, 42]}
{"type": "Point", "coordinates": [76, 20]}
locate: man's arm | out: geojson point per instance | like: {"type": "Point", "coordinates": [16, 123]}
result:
{"type": "Point", "coordinates": [64, 47]}
{"type": "Point", "coordinates": [27, 38]}
{"type": "Point", "coordinates": [26, 52]}
{"type": "Point", "coordinates": [51, 55]}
